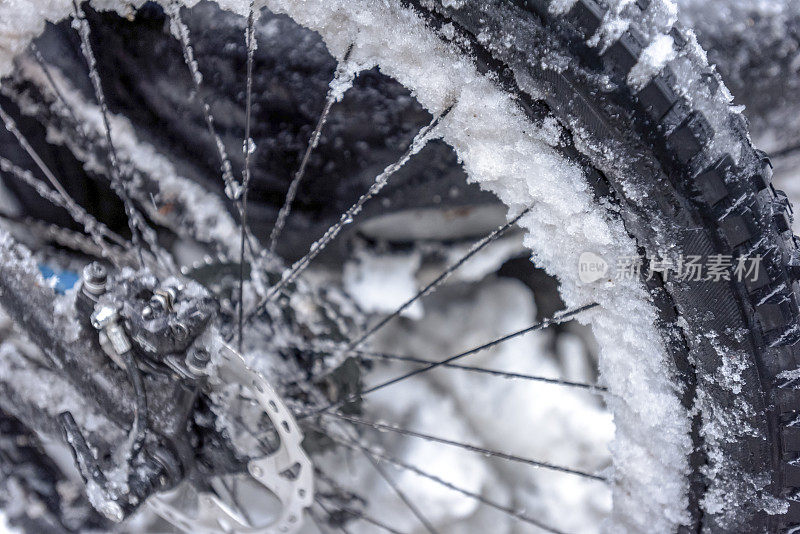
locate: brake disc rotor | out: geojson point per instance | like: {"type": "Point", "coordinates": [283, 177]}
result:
{"type": "Point", "coordinates": [286, 472]}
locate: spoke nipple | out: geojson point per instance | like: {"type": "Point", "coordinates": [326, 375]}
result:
{"type": "Point", "coordinates": [348, 52]}
{"type": "Point", "coordinates": [447, 110]}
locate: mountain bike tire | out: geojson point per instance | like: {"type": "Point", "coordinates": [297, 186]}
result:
{"type": "Point", "coordinates": [684, 175]}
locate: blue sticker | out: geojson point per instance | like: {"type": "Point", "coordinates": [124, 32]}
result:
{"type": "Point", "coordinates": [64, 280]}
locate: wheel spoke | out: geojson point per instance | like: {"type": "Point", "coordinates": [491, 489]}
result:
{"type": "Point", "coordinates": [193, 224]}
{"type": "Point", "coordinates": [59, 196]}
{"type": "Point", "coordinates": [232, 188]}
{"type": "Point", "coordinates": [329, 513]}
{"type": "Point", "coordinates": [140, 231]}
{"type": "Point", "coordinates": [51, 80]}
{"type": "Point", "coordinates": [76, 241]}
{"type": "Point", "coordinates": [439, 280]}
{"type": "Point", "coordinates": [358, 514]}
{"type": "Point", "coordinates": [250, 42]}
{"type": "Point", "coordinates": [341, 74]}
{"type": "Point", "coordinates": [391, 482]}
{"type": "Point", "coordinates": [383, 427]}
{"type": "Point", "coordinates": [384, 356]}
{"type": "Point", "coordinates": [48, 174]}
{"type": "Point", "coordinates": [556, 319]}
{"type": "Point", "coordinates": [378, 455]}
{"type": "Point", "coordinates": [483, 370]}
{"type": "Point", "coordinates": [290, 274]}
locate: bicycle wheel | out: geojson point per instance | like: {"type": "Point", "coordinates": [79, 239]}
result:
{"type": "Point", "coordinates": [609, 137]}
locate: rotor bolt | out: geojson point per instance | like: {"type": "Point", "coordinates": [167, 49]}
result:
{"type": "Point", "coordinates": [198, 361]}
{"type": "Point", "coordinates": [180, 331]}
{"type": "Point", "coordinates": [201, 357]}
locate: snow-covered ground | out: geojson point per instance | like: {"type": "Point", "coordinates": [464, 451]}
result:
{"type": "Point", "coordinates": [541, 421]}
